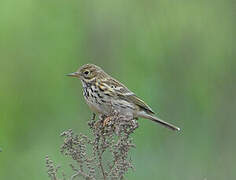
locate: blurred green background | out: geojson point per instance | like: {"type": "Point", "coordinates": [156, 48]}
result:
{"type": "Point", "coordinates": [179, 56]}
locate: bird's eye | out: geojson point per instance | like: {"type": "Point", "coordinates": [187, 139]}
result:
{"type": "Point", "coordinates": [86, 72]}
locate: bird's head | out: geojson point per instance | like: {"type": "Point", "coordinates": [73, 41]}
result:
{"type": "Point", "coordinates": [87, 72]}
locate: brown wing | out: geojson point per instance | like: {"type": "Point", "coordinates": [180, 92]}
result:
{"type": "Point", "coordinates": [116, 86]}
{"type": "Point", "coordinates": [124, 93]}
{"type": "Point", "coordinates": [133, 98]}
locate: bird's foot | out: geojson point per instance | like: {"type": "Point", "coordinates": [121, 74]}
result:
{"type": "Point", "coordinates": [107, 120]}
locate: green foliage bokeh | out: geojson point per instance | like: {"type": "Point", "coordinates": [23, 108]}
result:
{"type": "Point", "coordinates": [179, 56]}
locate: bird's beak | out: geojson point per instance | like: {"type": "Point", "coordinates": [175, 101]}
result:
{"type": "Point", "coordinates": [74, 74]}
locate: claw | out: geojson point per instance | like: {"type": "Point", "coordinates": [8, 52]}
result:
{"type": "Point", "coordinates": [106, 121]}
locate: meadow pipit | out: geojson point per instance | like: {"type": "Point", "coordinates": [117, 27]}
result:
{"type": "Point", "coordinates": [105, 94]}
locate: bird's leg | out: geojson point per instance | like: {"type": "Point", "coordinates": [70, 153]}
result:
{"type": "Point", "coordinates": [104, 120]}
{"type": "Point", "coordinates": [107, 120]}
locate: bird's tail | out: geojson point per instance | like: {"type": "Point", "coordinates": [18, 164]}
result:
{"type": "Point", "coordinates": [166, 124]}
{"type": "Point", "coordinates": [157, 120]}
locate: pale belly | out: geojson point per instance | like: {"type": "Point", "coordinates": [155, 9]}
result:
{"type": "Point", "coordinates": [96, 108]}
{"type": "Point", "coordinates": [108, 107]}
{"type": "Point", "coordinates": [100, 103]}
{"type": "Point", "coordinates": [97, 103]}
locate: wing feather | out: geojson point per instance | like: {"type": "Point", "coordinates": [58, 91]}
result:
{"type": "Point", "coordinates": [140, 103]}
{"type": "Point", "coordinates": [124, 93]}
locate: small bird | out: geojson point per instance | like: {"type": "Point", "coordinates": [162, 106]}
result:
{"type": "Point", "coordinates": [104, 94]}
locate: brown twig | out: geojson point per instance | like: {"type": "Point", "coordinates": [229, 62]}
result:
{"type": "Point", "coordinates": [101, 166]}
{"type": "Point", "coordinates": [113, 137]}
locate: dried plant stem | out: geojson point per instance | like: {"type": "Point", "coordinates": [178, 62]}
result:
{"type": "Point", "coordinates": [101, 166]}
{"type": "Point", "coordinates": [99, 154]}
{"type": "Point", "coordinates": [110, 135]}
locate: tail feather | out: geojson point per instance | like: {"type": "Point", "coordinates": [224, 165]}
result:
{"type": "Point", "coordinates": [157, 120]}
{"type": "Point", "coordinates": [166, 124]}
